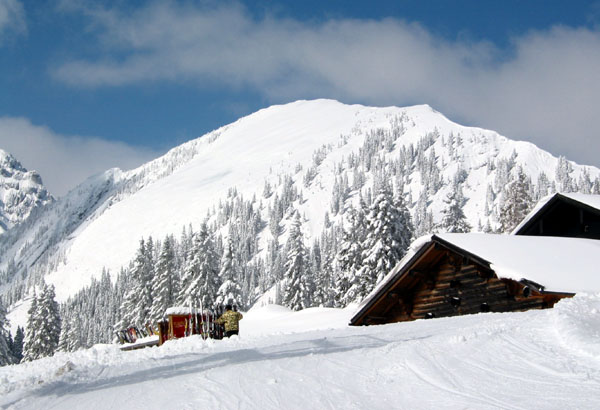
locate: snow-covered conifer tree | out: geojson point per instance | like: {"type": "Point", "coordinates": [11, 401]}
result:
{"type": "Point", "coordinates": [43, 326]}
{"type": "Point", "coordinates": [146, 290]}
{"type": "Point", "coordinates": [230, 291]}
{"type": "Point", "coordinates": [137, 302]}
{"type": "Point", "coordinates": [298, 287]}
{"type": "Point", "coordinates": [516, 202]}
{"type": "Point", "coordinates": [165, 283]}
{"type": "Point", "coordinates": [49, 332]}
{"type": "Point", "coordinates": [423, 218]}
{"type": "Point", "coordinates": [30, 345]}
{"type": "Point", "coordinates": [17, 347]}
{"type": "Point", "coordinates": [389, 233]}
{"type": "Point", "coordinates": [596, 186]}
{"type": "Point", "coordinates": [350, 255]}
{"type": "Point", "coordinates": [321, 277]}
{"type": "Point", "coordinates": [454, 219]}
{"type": "Point", "coordinates": [6, 348]}
{"type": "Point", "coordinates": [274, 261]}
{"type": "Point", "coordinates": [199, 282]}
{"type": "Point", "coordinates": [63, 340]}
{"type": "Point", "coordinates": [324, 281]}
{"type": "Point", "coordinates": [74, 337]}
{"type": "Point", "coordinates": [564, 180]}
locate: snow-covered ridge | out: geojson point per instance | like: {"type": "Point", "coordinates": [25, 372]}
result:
{"type": "Point", "coordinates": [99, 223]}
{"type": "Point", "coordinates": [20, 192]}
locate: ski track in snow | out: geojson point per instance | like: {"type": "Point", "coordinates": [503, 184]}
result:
{"type": "Point", "coordinates": [537, 359]}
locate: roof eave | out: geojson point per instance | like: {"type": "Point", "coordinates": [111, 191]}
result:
{"type": "Point", "coordinates": [401, 271]}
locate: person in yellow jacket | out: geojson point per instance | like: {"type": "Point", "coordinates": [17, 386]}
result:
{"type": "Point", "coordinates": [231, 320]}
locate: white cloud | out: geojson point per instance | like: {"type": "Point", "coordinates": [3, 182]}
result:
{"type": "Point", "coordinates": [63, 161]}
{"type": "Point", "coordinates": [12, 17]}
{"type": "Point", "coordinates": [545, 91]}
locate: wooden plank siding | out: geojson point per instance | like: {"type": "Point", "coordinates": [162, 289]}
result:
{"type": "Point", "coordinates": [443, 282]}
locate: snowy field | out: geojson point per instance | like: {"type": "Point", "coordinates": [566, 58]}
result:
{"type": "Point", "coordinates": [312, 360]}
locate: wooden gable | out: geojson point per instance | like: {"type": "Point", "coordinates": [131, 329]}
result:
{"type": "Point", "coordinates": [442, 280]}
{"type": "Point", "coordinates": [563, 216]}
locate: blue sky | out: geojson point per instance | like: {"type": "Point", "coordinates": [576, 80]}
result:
{"type": "Point", "coordinates": [88, 85]}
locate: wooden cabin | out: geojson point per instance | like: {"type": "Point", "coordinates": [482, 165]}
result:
{"type": "Point", "coordinates": [566, 215]}
{"type": "Point", "coordinates": [458, 274]}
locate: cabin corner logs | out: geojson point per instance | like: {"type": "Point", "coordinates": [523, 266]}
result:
{"type": "Point", "coordinates": [441, 281]}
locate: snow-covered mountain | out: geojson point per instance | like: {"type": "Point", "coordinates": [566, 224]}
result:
{"type": "Point", "coordinates": [322, 150]}
{"type": "Point", "coordinates": [20, 192]}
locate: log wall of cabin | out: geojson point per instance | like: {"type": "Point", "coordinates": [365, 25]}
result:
{"type": "Point", "coordinates": [455, 286]}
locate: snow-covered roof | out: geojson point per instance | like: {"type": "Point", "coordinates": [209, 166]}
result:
{"type": "Point", "coordinates": [180, 310]}
{"type": "Point", "coordinates": [558, 264]}
{"type": "Point", "coordinates": [586, 199]}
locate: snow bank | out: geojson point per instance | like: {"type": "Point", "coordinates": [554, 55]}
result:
{"type": "Point", "coordinates": [275, 319]}
{"type": "Point", "coordinates": [577, 323]}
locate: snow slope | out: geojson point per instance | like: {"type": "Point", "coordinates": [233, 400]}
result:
{"type": "Point", "coordinates": [99, 224]}
{"type": "Point", "coordinates": [546, 359]}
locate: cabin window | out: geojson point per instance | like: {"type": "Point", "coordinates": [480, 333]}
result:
{"type": "Point", "coordinates": [484, 307]}
{"type": "Point", "coordinates": [429, 315]}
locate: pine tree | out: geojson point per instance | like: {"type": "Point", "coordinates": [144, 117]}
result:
{"type": "Point", "coordinates": [6, 343]}
{"type": "Point", "coordinates": [274, 262]}
{"type": "Point", "coordinates": [200, 275]}
{"type": "Point", "coordinates": [321, 278]}
{"type": "Point", "coordinates": [146, 291]}
{"type": "Point", "coordinates": [596, 186]}
{"type": "Point", "coordinates": [324, 282]}
{"type": "Point", "coordinates": [165, 284]}
{"type": "Point", "coordinates": [63, 341]}
{"type": "Point", "coordinates": [564, 180]}
{"type": "Point", "coordinates": [49, 331]}
{"type": "Point", "coordinates": [423, 218]}
{"type": "Point", "coordinates": [298, 286]}
{"type": "Point", "coordinates": [516, 202]}
{"type": "Point", "coordinates": [454, 219]}
{"type": "Point", "coordinates": [18, 344]}
{"type": "Point", "coordinates": [31, 349]}
{"type": "Point", "coordinates": [389, 232]}
{"type": "Point", "coordinates": [43, 326]}
{"type": "Point", "coordinates": [136, 305]}
{"type": "Point", "coordinates": [350, 256]}
{"type": "Point", "coordinates": [230, 291]}
{"type": "Point", "coordinates": [74, 339]}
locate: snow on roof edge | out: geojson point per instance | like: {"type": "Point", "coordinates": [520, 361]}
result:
{"type": "Point", "coordinates": [557, 263]}
{"type": "Point", "coordinates": [541, 203]}
{"type": "Point", "coordinates": [415, 247]}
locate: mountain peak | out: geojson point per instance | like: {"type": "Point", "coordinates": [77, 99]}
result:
{"type": "Point", "coordinates": [316, 157]}
{"type": "Point", "coordinates": [9, 162]}
{"type": "Point", "coordinates": [20, 191]}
